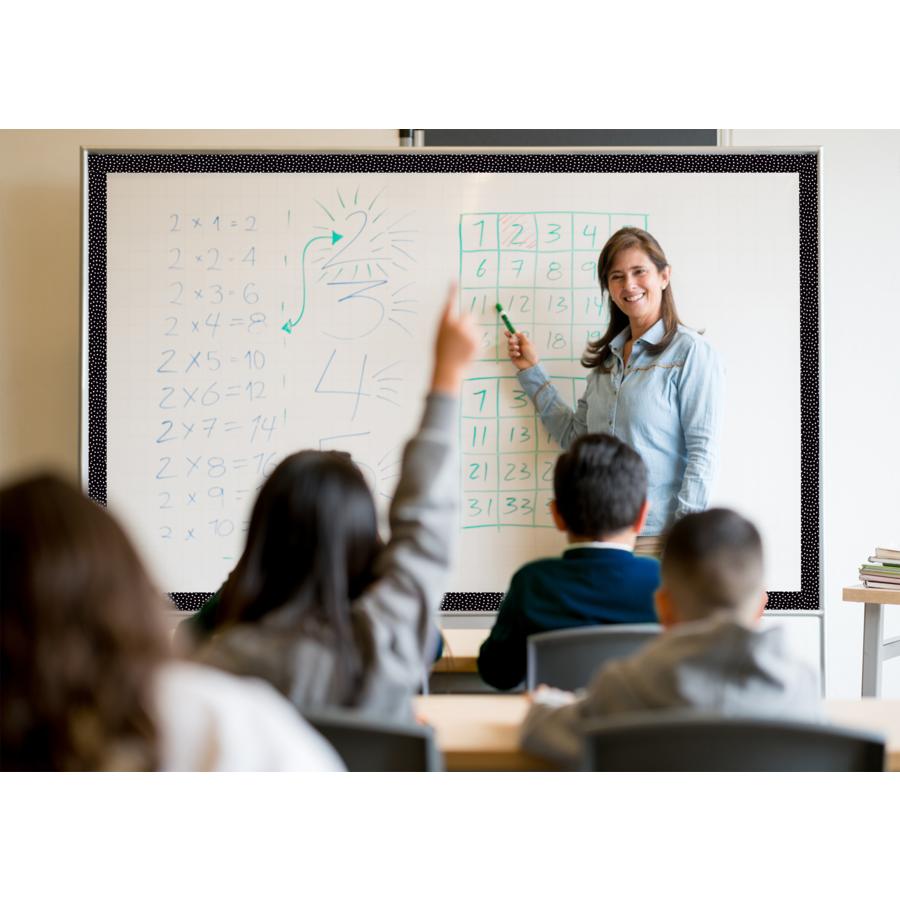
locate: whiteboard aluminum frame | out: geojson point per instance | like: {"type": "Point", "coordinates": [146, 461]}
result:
{"type": "Point", "coordinates": [89, 151]}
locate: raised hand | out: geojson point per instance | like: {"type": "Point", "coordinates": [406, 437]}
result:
{"type": "Point", "coordinates": [454, 347]}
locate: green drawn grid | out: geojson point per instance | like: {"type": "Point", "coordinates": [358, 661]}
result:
{"type": "Point", "coordinates": [498, 494]}
{"type": "Point", "coordinates": [533, 416]}
{"type": "Point", "coordinates": [546, 212]}
{"type": "Point", "coordinates": [563, 327]}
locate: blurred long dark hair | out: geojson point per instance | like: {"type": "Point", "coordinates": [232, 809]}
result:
{"type": "Point", "coordinates": [595, 354]}
{"type": "Point", "coordinates": [81, 635]}
{"type": "Point", "coordinates": [311, 547]}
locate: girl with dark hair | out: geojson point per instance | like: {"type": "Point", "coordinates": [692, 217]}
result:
{"type": "Point", "coordinates": [87, 682]}
{"type": "Point", "coordinates": [315, 604]}
{"type": "Point", "coordinates": [654, 383]}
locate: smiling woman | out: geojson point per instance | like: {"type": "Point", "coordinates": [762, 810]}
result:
{"type": "Point", "coordinates": [654, 383]}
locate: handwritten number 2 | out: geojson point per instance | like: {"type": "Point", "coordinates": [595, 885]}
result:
{"type": "Point", "coordinates": [167, 371]}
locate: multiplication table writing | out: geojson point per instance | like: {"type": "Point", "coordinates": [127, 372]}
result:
{"type": "Point", "coordinates": [249, 318]}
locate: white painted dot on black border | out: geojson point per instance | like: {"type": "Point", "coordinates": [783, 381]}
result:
{"type": "Point", "coordinates": [805, 164]}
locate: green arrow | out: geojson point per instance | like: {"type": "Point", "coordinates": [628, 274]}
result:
{"type": "Point", "coordinates": [335, 237]}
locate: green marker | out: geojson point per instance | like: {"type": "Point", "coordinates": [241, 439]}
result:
{"type": "Point", "coordinates": [509, 325]}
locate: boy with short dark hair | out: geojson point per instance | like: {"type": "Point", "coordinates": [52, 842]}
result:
{"type": "Point", "coordinates": [711, 656]}
{"type": "Point", "coordinates": [600, 485]}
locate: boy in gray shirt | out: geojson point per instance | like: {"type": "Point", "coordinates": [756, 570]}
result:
{"type": "Point", "coordinates": [711, 656]}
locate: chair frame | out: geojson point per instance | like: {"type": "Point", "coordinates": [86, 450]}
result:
{"type": "Point", "coordinates": [579, 633]}
{"type": "Point", "coordinates": [354, 720]}
{"type": "Point", "coordinates": [677, 722]}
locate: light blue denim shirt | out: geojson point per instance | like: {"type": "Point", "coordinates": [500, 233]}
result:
{"type": "Point", "coordinates": [667, 407]}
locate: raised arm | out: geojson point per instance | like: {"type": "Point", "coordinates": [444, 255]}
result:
{"type": "Point", "coordinates": [411, 570]}
{"type": "Point", "coordinates": [558, 417]}
{"type": "Point", "coordinates": [701, 399]}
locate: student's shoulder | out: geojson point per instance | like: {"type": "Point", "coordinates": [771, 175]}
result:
{"type": "Point", "coordinates": [645, 564]}
{"type": "Point", "coordinates": [212, 687]}
{"type": "Point", "coordinates": [539, 568]}
{"type": "Point", "coordinates": [262, 727]}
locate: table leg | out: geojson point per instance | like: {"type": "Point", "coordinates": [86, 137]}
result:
{"type": "Point", "coordinates": [872, 650]}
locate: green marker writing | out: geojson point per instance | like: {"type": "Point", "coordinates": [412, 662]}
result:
{"type": "Point", "coordinates": [509, 325]}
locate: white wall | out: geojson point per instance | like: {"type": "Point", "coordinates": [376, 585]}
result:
{"type": "Point", "coordinates": [860, 295]}
{"type": "Point", "coordinates": [40, 293]}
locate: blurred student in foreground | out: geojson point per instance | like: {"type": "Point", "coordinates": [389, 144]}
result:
{"type": "Point", "coordinates": [316, 604]}
{"type": "Point", "coordinates": [87, 682]}
{"type": "Point", "coordinates": [711, 656]}
{"type": "Point", "coordinates": [600, 485]}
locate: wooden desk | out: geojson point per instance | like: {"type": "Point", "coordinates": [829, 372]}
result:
{"type": "Point", "coordinates": [461, 649]}
{"type": "Point", "coordinates": [875, 648]}
{"type": "Point", "coordinates": [870, 714]}
{"type": "Point", "coordinates": [480, 733]}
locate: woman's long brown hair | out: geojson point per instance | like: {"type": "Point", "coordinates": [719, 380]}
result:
{"type": "Point", "coordinates": [81, 635]}
{"type": "Point", "coordinates": [596, 352]}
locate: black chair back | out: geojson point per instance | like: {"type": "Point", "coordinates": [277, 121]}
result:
{"type": "Point", "coordinates": [568, 657]}
{"type": "Point", "coordinates": [686, 741]}
{"type": "Point", "coordinates": [369, 744]}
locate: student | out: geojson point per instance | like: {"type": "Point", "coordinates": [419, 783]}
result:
{"type": "Point", "coordinates": [87, 682]}
{"type": "Point", "coordinates": [316, 605]}
{"type": "Point", "coordinates": [711, 656]}
{"type": "Point", "coordinates": [601, 489]}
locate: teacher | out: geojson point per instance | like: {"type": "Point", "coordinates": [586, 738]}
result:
{"type": "Point", "coordinates": [653, 383]}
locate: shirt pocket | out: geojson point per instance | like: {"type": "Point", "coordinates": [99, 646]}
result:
{"type": "Point", "coordinates": [650, 400]}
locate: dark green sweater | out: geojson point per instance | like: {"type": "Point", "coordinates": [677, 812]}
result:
{"type": "Point", "coordinates": [200, 625]}
{"type": "Point", "coordinates": [585, 586]}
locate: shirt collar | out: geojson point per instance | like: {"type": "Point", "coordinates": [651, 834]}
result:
{"type": "Point", "coordinates": [653, 336]}
{"type": "Point", "coordinates": [599, 545]}
{"type": "Point", "coordinates": [618, 342]}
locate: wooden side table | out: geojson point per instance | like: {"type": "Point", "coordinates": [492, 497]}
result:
{"type": "Point", "coordinates": [876, 649]}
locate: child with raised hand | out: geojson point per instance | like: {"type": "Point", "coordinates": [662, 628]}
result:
{"type": "Point", "coordinates": [600, 485]}
{"type": "Point", "coordinates": [711, 657]}
{"type": "Point", "coordinates": [316, 605]}
{"type": "Point", "coordinates": [88, 683]}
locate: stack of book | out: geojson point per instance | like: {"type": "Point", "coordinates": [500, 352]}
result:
{"type": "Point", "coordinates": [882, 570]}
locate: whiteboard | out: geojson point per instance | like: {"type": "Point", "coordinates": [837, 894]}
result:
{"type": "Point", "coordinates": [250, 314]}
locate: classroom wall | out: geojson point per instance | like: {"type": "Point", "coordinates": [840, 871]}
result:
{"type": "Point", "coordinates": [39, 329]}
{"type": "Point", "coordinates": [39, 273]}
{"type": "Point", "coordinates": [860, 375]}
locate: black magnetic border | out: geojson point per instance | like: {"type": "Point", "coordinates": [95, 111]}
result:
{"type": "Point", "coordinates": [804, 164]}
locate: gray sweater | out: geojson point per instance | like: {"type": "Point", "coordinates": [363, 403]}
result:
{"type": "Point", "coordinates": [392, 616]}
{"type": "Point", "coordinates": [715, 665]}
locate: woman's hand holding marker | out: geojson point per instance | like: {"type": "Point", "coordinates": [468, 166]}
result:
{"type": "Point", "coordinates": [521, 350]}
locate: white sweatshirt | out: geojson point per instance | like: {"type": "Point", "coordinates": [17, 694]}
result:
{"type": "Point", "coordinates": [210, 721]}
